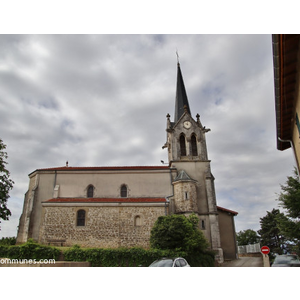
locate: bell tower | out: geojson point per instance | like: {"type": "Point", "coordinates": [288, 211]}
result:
{"type": "Point", "coordinates": [185, 136]}
{"type": "Point", "coordinates": [193, 185]}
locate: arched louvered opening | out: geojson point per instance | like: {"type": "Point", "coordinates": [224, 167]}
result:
{"type": "Point", "coordinates": [194, 145]}
{"type": "Point", "coordinates": [182, 145]}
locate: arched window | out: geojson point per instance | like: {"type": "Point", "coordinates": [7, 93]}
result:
{"type": "Point", "coordinates": [123, 191]}
{"type": "Point", "coordinates": [90, 191]}
{"type": "Point", "coordinates": [194, 145]}
{"type": "Point", "coordinates": [182, 146]}
{"type": "Point", "coordinates": [137, 221]}
{"type": "Point", "coordinates": [80, 217]}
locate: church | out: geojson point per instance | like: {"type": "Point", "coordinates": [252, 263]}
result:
{"type": "Point", "coordinates": [112, 207]}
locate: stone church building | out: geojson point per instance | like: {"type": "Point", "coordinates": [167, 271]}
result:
{"type": "Point", "coordinates": [117, 206]}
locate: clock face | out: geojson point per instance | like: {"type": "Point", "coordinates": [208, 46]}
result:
{"type": "Point", "coordinates": [187, 124]}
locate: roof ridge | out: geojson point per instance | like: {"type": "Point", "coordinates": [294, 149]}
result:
{"type": "Point", "coordinates": [65, 168]}
{"type": "Point", "coordinates": [109, 200]}
{"type": "Point", "coordinates": [227, 210]}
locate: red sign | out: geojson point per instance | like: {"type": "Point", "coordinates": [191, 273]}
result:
{"type": "Point", "coordinates": [265, 250]}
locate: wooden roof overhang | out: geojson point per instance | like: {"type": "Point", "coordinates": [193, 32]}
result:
{"type": "Point", "coordinates": [285, 56]}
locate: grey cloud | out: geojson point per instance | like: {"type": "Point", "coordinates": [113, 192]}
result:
{"type": "Point", "coordinates": [103, 100]}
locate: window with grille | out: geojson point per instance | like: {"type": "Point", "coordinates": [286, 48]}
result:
{"type": "Point", "coordinates": [90, 191]}
{"type": "Point", "coordinates": [81, 217]}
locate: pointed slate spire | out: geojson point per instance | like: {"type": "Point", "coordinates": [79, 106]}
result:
{"type": "Point", "coordinates": [181, 97]}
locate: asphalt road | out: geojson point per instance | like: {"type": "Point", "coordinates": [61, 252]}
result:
{"type": "Point", "coordinates": [244, 262]}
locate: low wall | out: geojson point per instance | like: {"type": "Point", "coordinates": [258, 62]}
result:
{"type": "Point", "coordinates": [258, 254]}
{"type": "Point", "coordinates": [266, 260]}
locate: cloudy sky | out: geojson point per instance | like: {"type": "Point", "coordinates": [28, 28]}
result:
{"type": "Point", "coordinates": [102, 100]}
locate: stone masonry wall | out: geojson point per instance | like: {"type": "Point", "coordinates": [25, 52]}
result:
{"type": "Point", "coordinates": [105, 227]}
{"type": "Point", "coordinates": [182, 204]}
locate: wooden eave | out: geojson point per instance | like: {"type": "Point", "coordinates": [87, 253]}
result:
{"type": "Point", "coordinates": [285, 57]}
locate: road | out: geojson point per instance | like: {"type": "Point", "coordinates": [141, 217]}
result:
{"type": "Point", "coordinates": [244, 262]}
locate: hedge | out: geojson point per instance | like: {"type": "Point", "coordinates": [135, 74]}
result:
{"type": "Point", "coordinates": [201, 259]}
{"type": "Point", "coordinates": [133, 257]}
{"type": "Point", "coordinates": [29, 250]}
{"type": "Point", "coordinates": [7, 241]}
{"type": "Point", "coordinates": [99, 257]}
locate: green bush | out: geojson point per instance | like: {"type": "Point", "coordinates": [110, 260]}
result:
{"type": "Point", "coordinates": [29, 250]}
{"type": "Point", "coordinates": [3, 251]}
{"type": "Point", "coordinates": [133, 257]}
{"type": "Point", "coordinates": [201, 259]}
{"type": "Point", "coordinates": [99, 257]}
{"type": "Point", "coordinates": [178, 232]}
{"type": "Point", "coordinates": [8, 241]}
{"type": "Point", "coordinates": [120, 257]}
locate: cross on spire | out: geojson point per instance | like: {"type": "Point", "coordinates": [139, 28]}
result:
{"type": "Point", "coordinates": [177, 56]}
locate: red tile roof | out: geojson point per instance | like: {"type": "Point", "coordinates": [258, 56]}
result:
{"type": "Point", "coordinates": [227, 210]}
{"type": "Point", "coordinates": [107, 168]}
{"type": "Point", "coordinates": [105, 200]}
{"type": "Point", "coordinates": [120, 200]}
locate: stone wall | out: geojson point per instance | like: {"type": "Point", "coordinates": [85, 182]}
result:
{"type": "Point", "coordinates": [25, 218]}
{"type": "Point", "coordinates": [227, 233]}
{"type": "Point", "coordinates": [105, 227]}
{"type": "Point", "coordinates": [185, 195]}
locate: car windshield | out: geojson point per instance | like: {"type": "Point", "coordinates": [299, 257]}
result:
{"type": "Point", "coordinates": [286, 259]}
{"type": "Point", "coordinates": [162, 263]}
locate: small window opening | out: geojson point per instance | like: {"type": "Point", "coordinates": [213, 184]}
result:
{"type": "Point", "coordinates": [186, 195]}
{"type": "Point", "coordinates": [81, 217]}
{"type": "Point", "coordinates": [202, 224]}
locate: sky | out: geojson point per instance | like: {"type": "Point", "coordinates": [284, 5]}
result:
{"type": "Point", "coordinates": [102, 100]}
{"type": "Point", "coordinates": [78, 98]}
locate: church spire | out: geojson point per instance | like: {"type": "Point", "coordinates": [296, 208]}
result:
{"type": "Point", "coordinates": [181, 97]}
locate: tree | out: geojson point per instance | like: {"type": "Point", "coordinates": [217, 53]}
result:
{"type": "Point", "coordinates": [6, 184]}
{"type": "Point", "coordinates": [247, 237]}
{"type": "Point", "coordinates": [178, 232]}
{"type": "Point", "coordinates": [289, 199]}
{"type": "Point", "coordinates": [270, 233]}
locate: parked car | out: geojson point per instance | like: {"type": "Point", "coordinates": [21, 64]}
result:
{"type": "Point", "coordinates": [170, 262]}
{"type": "Point", "coordinates": [287, 260]}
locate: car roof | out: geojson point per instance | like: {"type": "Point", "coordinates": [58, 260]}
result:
{"type": "Point", "coordinates": [286, 255]}
{"type": "Point", "coordinates": [173, 258]}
